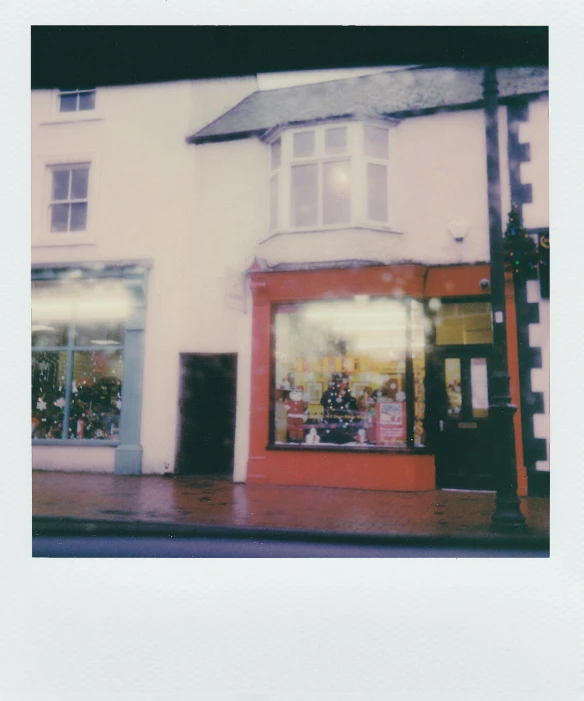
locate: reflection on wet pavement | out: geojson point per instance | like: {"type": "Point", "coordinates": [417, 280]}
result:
{"type": "Point", "coordinates": [223, 503]}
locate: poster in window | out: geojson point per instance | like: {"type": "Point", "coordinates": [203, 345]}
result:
{"type": "Point", "coordinates": [390, 423]}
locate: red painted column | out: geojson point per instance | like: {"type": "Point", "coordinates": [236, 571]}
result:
{"type": "Point", "coordinates": [260, 386]}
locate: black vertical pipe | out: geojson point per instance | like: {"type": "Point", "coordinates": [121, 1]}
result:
{"type": "Point", "coordinates": [501, 410]}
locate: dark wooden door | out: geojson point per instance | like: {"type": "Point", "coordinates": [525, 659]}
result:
{"type": "Point", "coordinates": [460, 401]}
{"type": "Point", "coordinates": [207, 414]}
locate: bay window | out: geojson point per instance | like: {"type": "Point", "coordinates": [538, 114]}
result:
{"type": "Point", "coordinates": [329, 176]}
{"type": "Point", "coordinates": [350, 372]}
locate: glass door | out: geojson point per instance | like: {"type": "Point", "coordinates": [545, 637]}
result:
{"type": "Point", "coordinates": [459, 409]}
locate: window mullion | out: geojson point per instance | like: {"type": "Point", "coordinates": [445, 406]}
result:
{"type": "Point", "coordinates": [68, 381]}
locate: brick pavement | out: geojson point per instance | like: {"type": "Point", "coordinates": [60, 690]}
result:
{"type": "Point", "coordinates": [204, 502]}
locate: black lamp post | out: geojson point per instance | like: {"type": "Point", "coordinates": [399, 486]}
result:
{"type": "Point", "coordinates": [507, 512]}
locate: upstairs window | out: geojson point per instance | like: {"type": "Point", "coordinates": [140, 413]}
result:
{"type": "Point", "coordinates": [69, 198]}
{"type": "Point", "coordinates": [376, 153]}
{"type": "Point", "coordinates": [329, 176]}
{"type": "Point", "coordinates": [76, 100]}
{"type": "Point", "coordinates": [320, 179]}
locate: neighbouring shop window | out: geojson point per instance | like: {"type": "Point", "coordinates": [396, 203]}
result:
{"type": "Point", "coordinates": [464, 323]}
{"type": "Point", "coordinates": [350, 372]}
{"type": "Point", "coordinates": [77, 358]}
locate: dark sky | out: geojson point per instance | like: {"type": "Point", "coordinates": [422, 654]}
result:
{"type": "Point", "coordinates": [74, 56]}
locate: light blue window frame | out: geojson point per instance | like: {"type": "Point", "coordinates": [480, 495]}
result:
{"type": "Point", "coordinates": [128, 457]}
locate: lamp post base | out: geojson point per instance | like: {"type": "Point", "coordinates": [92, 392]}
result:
{"type": "Point", "coordinates": [507, 514]}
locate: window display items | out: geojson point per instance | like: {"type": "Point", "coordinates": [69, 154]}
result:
{"type": "Point", "coordinates": [362, 351]}
{"type": "Point", "coordinates": [341, 416]}
{"type": "Point", "coordinates": [296, 414]}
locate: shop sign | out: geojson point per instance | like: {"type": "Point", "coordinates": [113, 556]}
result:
{"type": "Point", "coordinates": [390, 423]}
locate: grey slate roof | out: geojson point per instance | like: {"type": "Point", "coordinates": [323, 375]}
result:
{"type": "Point", "coordinates": [391, 93]}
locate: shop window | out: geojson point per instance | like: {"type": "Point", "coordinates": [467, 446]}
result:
{"type": "Point", "coordinates": [69, 198]}
{"type": "Point", "coordinates": [350, 372]}
{"type": "Point", "coordinates": [76, 100]}
{"type": "Point", "coordinates": [464, 323]}
{"type": "Point", "coordinates": [77, 358]}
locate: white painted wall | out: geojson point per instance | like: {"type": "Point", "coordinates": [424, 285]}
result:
{"type": "Point", "coordinates": [439, 176]}
{"type": "Point", "coordinates": [142, 206]}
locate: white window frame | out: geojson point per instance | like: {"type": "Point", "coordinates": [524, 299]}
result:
{"type": "Point", "coordinates": [58, 117]}
{"type": "Point", "coordinates": [77, 92]}
{"type": "Point", "coordinates": [70, 200]}
{"type": "Point", "coordinates": [375, 161]}
{"type": "Point", "coordinates": [358, 162]}
{"type": "Point", "coordinates": [42, 199]}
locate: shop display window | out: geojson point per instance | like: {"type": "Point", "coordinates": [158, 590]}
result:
{"type": "Point", "coordinates": [77, 358]}
{"type": "Point", "coordinates": [350, 373]}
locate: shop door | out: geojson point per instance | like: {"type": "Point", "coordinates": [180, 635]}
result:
{"type": "Point", "coordinates": [460, 409]}
{"type": "Point", "coordinates": [207, 415]}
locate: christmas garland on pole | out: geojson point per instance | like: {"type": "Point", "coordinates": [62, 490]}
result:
{"type": "Point", "coordinates": [521, 255]}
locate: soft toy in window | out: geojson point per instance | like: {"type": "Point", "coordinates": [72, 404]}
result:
{"type": "Point", "coordinates": [296, 414]}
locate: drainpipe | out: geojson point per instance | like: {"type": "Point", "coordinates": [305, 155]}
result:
{"type": "Point", "coordinates": [507, 510]}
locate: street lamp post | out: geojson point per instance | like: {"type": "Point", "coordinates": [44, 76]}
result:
{"type": "Point", "coordinates": [507, 512]}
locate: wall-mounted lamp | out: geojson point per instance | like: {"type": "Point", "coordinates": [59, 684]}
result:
{"type": "Point", "coordinates": [459, 230]}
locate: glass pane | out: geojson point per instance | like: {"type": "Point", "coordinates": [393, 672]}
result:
{"type": "Point", "coordinates": [304, 144]}
{"type": "Point", "coordinates": [304, 195]}
{"type": "Point", "coordinates": [276, 154]}
{"type": "Point", "coordinates": [61, 184]}
{"type": "Point", "coordinates": [336, 193]}
{"type": "Point", "coordinates": [274, 203]}
{"type": "Point", "coordinates": [78, 216]}
{"type": "Point", "coordinates": [452, 379]}
{"type": "Point", "coordinates": [346, 361]}
{"type": "Point", "coordinates": [376, 192]}
{"type": "Point", "coordinates": [68, 102]}
{"type": "Point", "coordinates": [464, 323]}
{"type": "Point", "coordinates": [96, 395]}
{"type": "Point", "coordinates": [79, 179]}
{"type": "Point", "coordinates": [59, 217]}
{"type": "Point", "coordinates": [48, 334]}
{"type": "Point", "coordinates": [479, 388]}
{"type": "Point", "coordinates": [376, 142]}
{"type": "Point", "coordinates": [335, 140]}
{"type": "Point", "coordinates": [48, 378]}
{"type": "Point", "coordinates": [87, 100]}
{"type": "Point", "coordinates": [98, 334]}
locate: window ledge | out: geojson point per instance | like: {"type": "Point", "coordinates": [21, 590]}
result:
{"type": "Point", "coordinates": [383, 228]}
{"type": "Point", "coordinates": [302, 447]}
{"type": "Point", "coordinates": [62, 441]}
{"type": "Point", "coordinates": [64, 240]}
{"type": "Point", "coordinates": [71, 120]}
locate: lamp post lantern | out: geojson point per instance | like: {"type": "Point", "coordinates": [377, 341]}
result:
{"type": "Point", "coordinates": [501, 410]}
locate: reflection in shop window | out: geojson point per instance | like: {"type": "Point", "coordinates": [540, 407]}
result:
{"type": "Point", "coordinates": [340, 373]}
{"type": "Point", "coordinates": [49, 376]}
{"type": "Point", "coordinates": [77, 358]}
{"type": "Point", "coordinates": [96, 395]}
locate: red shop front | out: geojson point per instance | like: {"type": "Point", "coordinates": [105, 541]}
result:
{"type": "Point", "coordinates": [375, 377]}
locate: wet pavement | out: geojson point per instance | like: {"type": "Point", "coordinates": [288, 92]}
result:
{"type": "Point", "coordinates": [220, 504]}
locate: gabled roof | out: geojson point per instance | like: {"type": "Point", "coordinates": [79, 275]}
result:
{"type": "Point", "coordinates": [393, 93]}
